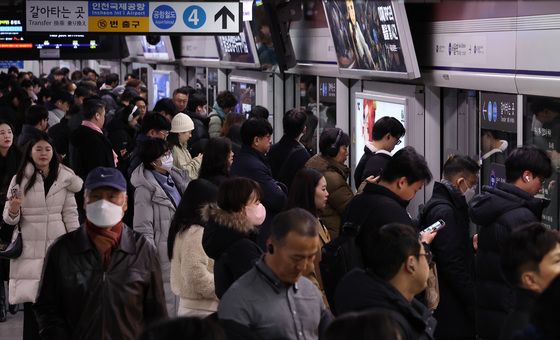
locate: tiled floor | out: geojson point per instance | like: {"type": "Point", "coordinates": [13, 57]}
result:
{"type": "Point", "coordinates": [12, 329]}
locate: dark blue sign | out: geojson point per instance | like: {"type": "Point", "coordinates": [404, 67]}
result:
{"type": "Point", "coordinates": [5, 64]}
{"type": "Point", "coordinates": [164, 17]}
{"type": "Point", "coordinates": [118, 9]}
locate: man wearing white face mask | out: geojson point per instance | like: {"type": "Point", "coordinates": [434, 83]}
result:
{"type": "Point", "coordinates": [102, 278]}
{"type": "Point", "coordinates": [452, 248]}
{"type": "Point", "coordinates": [158, 190]}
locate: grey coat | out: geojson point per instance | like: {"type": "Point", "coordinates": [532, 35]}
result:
{"type": "Point", "coordinates": [153, 212]}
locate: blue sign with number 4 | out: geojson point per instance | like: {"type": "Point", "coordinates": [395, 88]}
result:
{"type": "Point", "coordinates": [194, 17]}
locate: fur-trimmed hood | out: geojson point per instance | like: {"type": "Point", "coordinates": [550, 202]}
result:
{"type": "Point", "coordinates": [223, 229]}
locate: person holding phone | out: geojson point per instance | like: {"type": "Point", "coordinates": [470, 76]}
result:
{"type": "Point", "coordinates": [452, 249]}
{"type": "Point", "coordinates": [41, 200]}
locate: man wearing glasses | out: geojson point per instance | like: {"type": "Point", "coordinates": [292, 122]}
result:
{"type": "Point", "coordinates": [397, 268]}
{"type": "Point", "coordinates": [386, 134]}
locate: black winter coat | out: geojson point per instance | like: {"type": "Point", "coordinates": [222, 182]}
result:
{"type": "Point", "coordinates": [358, 173]}
{"type": "Point", "coordinates": [122, 137]}
{"type": "Point", "coordinates": [286, 158]}
{"type": "Point", "coordinates": [498, 211]}
{"type": "Point", "coordinates": [78, 299]}
{"type": "Point", "coordinates": [252, 164]}
{"type": "Point", "coordinates": [519, 318]}
{"type": "Point", "coordinates": [360, 290]}
{"type": "Point", "coordinates": [228, 239]}
{"type": "Point", "coordinates": [376, 164]}
{"type": "Point", "coordinates": [454, 256]}
{"type": "Point", "coordinates": [200, 135]}
{"type": "Point", "coordinates": [60, 134]}
{"type": "Point", "coordinates": [375, 207]}
{"type": "Point", "coordinates": [90, 150]}
{"type": "Point", "coordinates": [28, 132]}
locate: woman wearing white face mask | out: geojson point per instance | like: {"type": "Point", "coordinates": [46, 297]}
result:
{"type": "Point", "coordinates": [159, 187]}
{"type": "Point", "coordinates": [41, 200]}
{"type": "Point", "coordinates": [231, 228]}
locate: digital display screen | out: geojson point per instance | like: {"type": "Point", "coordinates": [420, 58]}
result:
{"type": "Point", "coordinates": [368, 110]}
{"type": "Point", "coordinates": [365, 35]}
{"type": "Point", "coordinates": [161, 81]}
{"type": "Point", "coordinates": [327, 90]}
{"type": "Point", "coordinates": [235, 48]}
{"type": "Point", "coordinates": [245, 94]}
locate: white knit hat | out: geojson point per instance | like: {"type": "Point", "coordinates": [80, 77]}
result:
{"type": "Point", "coordinates": [181, 123]}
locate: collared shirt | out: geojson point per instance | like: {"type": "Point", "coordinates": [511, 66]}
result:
{"type": "Point", "coordinates": [273, 309]}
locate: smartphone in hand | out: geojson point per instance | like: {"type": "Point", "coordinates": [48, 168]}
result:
{"type": "Point", "coordinates": [434, 227]}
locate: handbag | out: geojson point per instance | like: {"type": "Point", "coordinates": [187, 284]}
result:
{"type": "Point", "coordinates": [14, 249]}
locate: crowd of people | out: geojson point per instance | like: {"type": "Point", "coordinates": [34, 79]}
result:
{"type": "Point", "coordinates": [187, 221]}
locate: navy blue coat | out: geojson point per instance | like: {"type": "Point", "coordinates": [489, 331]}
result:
{"type": "Point", "coordinates": [250, 163]}
{"type": "Point", "coordinates": [454, 256]}
{"type": "Point", "coordinates": [498, 211]}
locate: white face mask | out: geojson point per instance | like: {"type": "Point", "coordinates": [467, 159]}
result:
{"type": "Point", "coordinates": [104, 214]}
{"type": "Point", "coordinates": [469, 194]}
{"type": "Point", "coordinates": [167, 162]}
{"type": "Point", "coordinates": [256, 213]}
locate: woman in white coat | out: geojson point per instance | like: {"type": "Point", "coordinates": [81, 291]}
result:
{"type": "Point", "coordinates": [192, 271]}
{"type": "Point", "coordinates": [159, 187]}
{"type": "Point", "coordinates": [41, 200]}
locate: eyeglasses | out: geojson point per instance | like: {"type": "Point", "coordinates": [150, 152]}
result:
{"type": "Point", "coordinates": [399, 141]}
{"type": "Point", "coordinates": [429, 257]}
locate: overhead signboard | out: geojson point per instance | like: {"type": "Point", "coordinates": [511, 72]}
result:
{"type": "Point", "coordinates": [134, 17]}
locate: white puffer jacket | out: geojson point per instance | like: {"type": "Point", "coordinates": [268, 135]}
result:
{"type": "Point", "coordinates": [153, 212]}
{"type": "Point", "coordinates": [42, 220]}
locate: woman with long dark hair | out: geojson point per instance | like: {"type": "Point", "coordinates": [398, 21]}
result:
{"type": "Point", "coordinates": [309, 192]}
{"type": "Point", "coordinates": [41, 200]}
{"type": "Point", "coordinates": [218, 157]}
{"type": "Point", "coordinates": [192, 271]}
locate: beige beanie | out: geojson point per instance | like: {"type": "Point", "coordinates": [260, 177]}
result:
{"type": "Point", "coordinates": [181, 123]}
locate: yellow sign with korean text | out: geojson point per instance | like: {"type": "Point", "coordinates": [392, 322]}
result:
{"type": "Point", "coordinates": [118, 24]}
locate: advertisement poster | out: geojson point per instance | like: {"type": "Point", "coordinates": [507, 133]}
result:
{"type": "Point", "coordinates": [245, 94]}
{"type": "Point", "coordinates": [365, 35]}
{"type": "Point", "coordinates": [370, 110]}
{"type": "Point", "coordinates": [498, 111]}
{"type": "Point", "coordinates": [161, 85]}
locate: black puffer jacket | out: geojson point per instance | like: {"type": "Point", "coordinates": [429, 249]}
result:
{"type": "Point", "coordinates": [360, 290]}
{"type": "Point", "coordinates": [78, 299]}
{"type": "Point", "coordinates": [228, 239]}
{"type": "Point", "coordinates": [454, 256]}
{"type": "Point", "coordinates": [498, 211]}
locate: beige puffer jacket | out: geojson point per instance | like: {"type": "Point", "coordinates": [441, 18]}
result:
{"type": "Point", "coordinates": [42, 220]}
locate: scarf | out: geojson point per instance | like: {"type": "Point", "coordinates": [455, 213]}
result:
{"type": "Point", "coordinates": [104, 239]}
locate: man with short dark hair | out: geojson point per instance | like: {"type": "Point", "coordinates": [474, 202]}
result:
{"type": "Point", "coordinates": [386, 134]}
{"type": "Point", "coordinates": [530, 261]}
{"type": "Point", "coordinates": [386, 201]}
{"type": "Point", "coordinates": [499, 211]}
{"type": "Point", "coordinates": [452, 247]}
{"type": "Point", "coordinates": [225, 103]}
{"type": "Point", "coordinates": [61, 102]}
{"type": "Point", "coordinates": [36, 122]}
{"type": "Point", "coordinates": [396, 270]}
{"type": "Point", "coordinates": [250, 162]}
{"type": "Point", "coordinates": [106, 92]}
{"type": "Point", "coordinates": [103, 279]}
{"type": "Point", "coordinates": [181, 98]}
{"type": "Point", "coordinates": [288, 155]}
{"type": "Point", "coordinates": [197, 110]}
{"type": "Point", "coordinates": [153, 126]}
{"type": "Point", "coordinates": [273, 300]}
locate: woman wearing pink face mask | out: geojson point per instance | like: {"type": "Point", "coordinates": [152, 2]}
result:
{"type": "Point", "coordinates": [232, 225]}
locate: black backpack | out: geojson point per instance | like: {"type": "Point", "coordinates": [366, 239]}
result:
{"type": "Point", "coordinates": [338, 257]}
